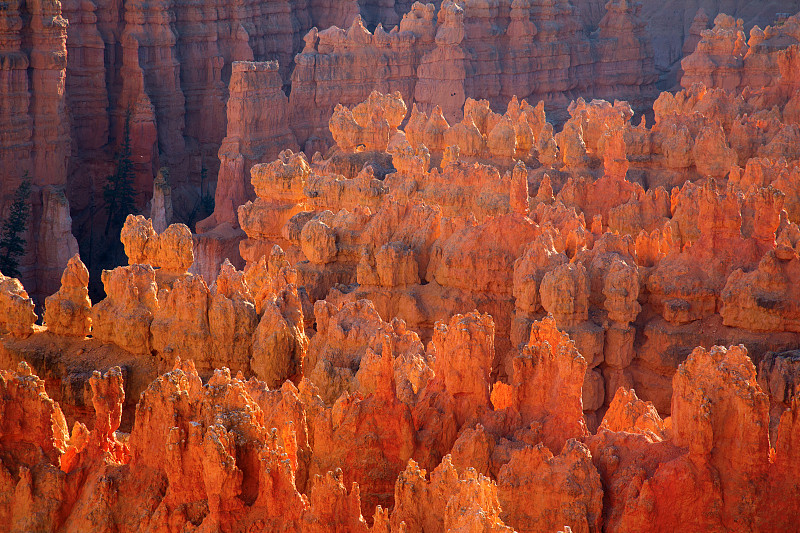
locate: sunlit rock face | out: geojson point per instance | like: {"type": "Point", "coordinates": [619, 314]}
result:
{"type": "Point", "coordinates": [487, 50]}
{"type": "Point", "coordinates": [444, 286]}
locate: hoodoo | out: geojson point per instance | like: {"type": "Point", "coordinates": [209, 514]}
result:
{"type": "Point", "coordinates": [467, 265]}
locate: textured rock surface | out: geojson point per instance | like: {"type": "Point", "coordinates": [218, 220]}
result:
{"type": "Point", "coordinates": [76, 70]}
{"type": "Point", "coordinates": [125, 315]}
{"type": "Point", "coordinates": [161, 211]}
{"type": "Point", "coordinates": [546, 386]}
{"type": "Point", "coordinates": [18, 316]}
{"type": "Point", "coordinates": [171, 65]}
{"type": "Point", "coordinates": [530, 306]}
{"type": "Point", "coordinates": [258, 130]}
{"type": "Point", "coordinates": [726, 58]}
{"type": "Point", "coordinates": [716, 444]}
{"type": "Point", "coordinates": [410, 242]}
{"type": "Point", "coordinates": [539, 491]}
{"type": "Point", "coordinates": [171, 251]}
{"type": "Point", "coordinates": [68, 312]}
{"type": "Point", "coordinates": [34, 117]}
{"type": "Point", "coordinates": [669, 45]}
{"type": "Point", "coordinates": [481, 51]}
{"type": "Point", "coordinates": [54, 240]}
{"type": "Point", "coordinates": [35, 437]}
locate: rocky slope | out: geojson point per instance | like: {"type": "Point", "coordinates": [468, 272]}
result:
{"type": "Point", "coordinates": [459, 318]}
{"type": "Point", "coordinates": [237, 455]}
{"type": "Point", "coordinates": [726, 58]}
{"type": "Point", "coordinates": [529, 316]}
{"type": "Point", "coordinates": [77, 69]}
{"type": "Point", "coordinates": [535, 50]}
{"type": "Point", "coordinates": [674, 25]}
{"type": "Point", "coordinates": [77, 72]}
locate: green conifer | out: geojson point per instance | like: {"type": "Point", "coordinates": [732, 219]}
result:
{"type": "Point", "coordinates": [119, 193]}
{"type": "Point", "coordinates": [12, 245]}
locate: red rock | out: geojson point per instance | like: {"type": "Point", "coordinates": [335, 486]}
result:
{"type": "Point", "coordinates": [85, 88]}
{"type": "Point", "coordinates": [711, 152]}
{"type": "Point", "coordinates": [148, 48]}
{"type": "Point", "coordinates": [55, 244]}
{"type": "Point", "coordinates": [464, 352]}
{"type": "Point", "coordinates": [236, 476]}
{"type": "Point", "coordinates": [628, 413]}
{"type": "Point", "coordinates": [447, 501]}
{"type": "Point", "coordinates": [263, 218]}
{"type": "Point", "coordinates": [232, 319]}
{"type": "Point", "coordinates": [170, 252]}
{"type": "Point", "coordinates": [446, 61]}
{"type": "Point", "coordinates": [423, 52]}
{"type": "Point", "coordinates": [279, 342]}
{"type": "Point", "coordinates": [621, 290]}
{"type": "Point", "coordinates": [777, 377]}
{"type": "Point", "coordinates": [86, 448]}
{"type": "Point", "coordinates": [50, 134]}
{"type": "Point", "coordinates": [125, 315]}
{"type": "Point", "coordinates": [258, 131]}
{"type": "Point", "coordinates": [564, 293]}
{"type": "Point", "coordinates": [34, 438]}
{"type": "Point", "coordinates": [539, 491]}
{"type": "Point", "coordinates": [68, 312]}
{"type": "Point", "coordinates": [345, 353]}
{"type": "Point", "coordinates": [332, 508]}
{"type": "Point", "coordinates": [782, 483]}
{"type": "Point", "coordinates": [737, 452]}
{"type": "Point", "coordinates": [37, 134]}
{"type": "Point", "coordinates": [400, 235]}
{"type": "Point", "coordinates": [540, 256]}
{"type": "Point", "coordinates": [33, 425]}
{"type": "Point", "coordinates": [16, 150]}
{"type": "Point", "coordinates": [180, 324]}
{"type": "Point", "coordinates": [718, 60]}
{"type": "Point", "coordinates": [388, 60]}
{"type": "Point", "coordinates": [691, 295]}
{"type": "Point", "coordinates": [752, 300]}
{"type": "Point", "coordinates": [161, 205]}
{"type": "Point", "coordinates": [18, 316]}
{"type": "Point", "coordinates": [367, 457]}
{"type": "Point", "coordinates": [726, 58]}
{"type": "Point", "coordinates": [547, 380]}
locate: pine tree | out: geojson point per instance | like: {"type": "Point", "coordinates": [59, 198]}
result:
{"type": "Point", "coordinates": [118, 192]}
{"type": "Point", "coordinates": [12, 245]}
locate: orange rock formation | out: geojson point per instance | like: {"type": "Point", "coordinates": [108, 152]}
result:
{"type": "Point", "coordinates": [453, 319]}
{"type": "Point", "coordinates": [209, 445]}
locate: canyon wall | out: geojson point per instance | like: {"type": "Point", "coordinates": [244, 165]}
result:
{"type": "Point", "coordinates": [766, 60]}
{"type": "Point", "coordinates": [35, 140]}
{"type": "Point", "coordinates": [76, 70]}
{"type": "Point", "coordinates": [630, 242]}
{"type": "Point", "coordinates": [434, 59]}
{"type": "Point", "coordinates": [674, 26]}
{"type": "Point", "coordinates": [34, 117]}
{"type": "Point", "coordinates": [436, 219]}
{"type": "Point", "coordinates": [75, 73]}
{"type": "Point", "coordinates": [457, 318]}
{"type": "Point", "coordinates": [534, 50]}
{"type": "Point", "coordinates": [169, 65]}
